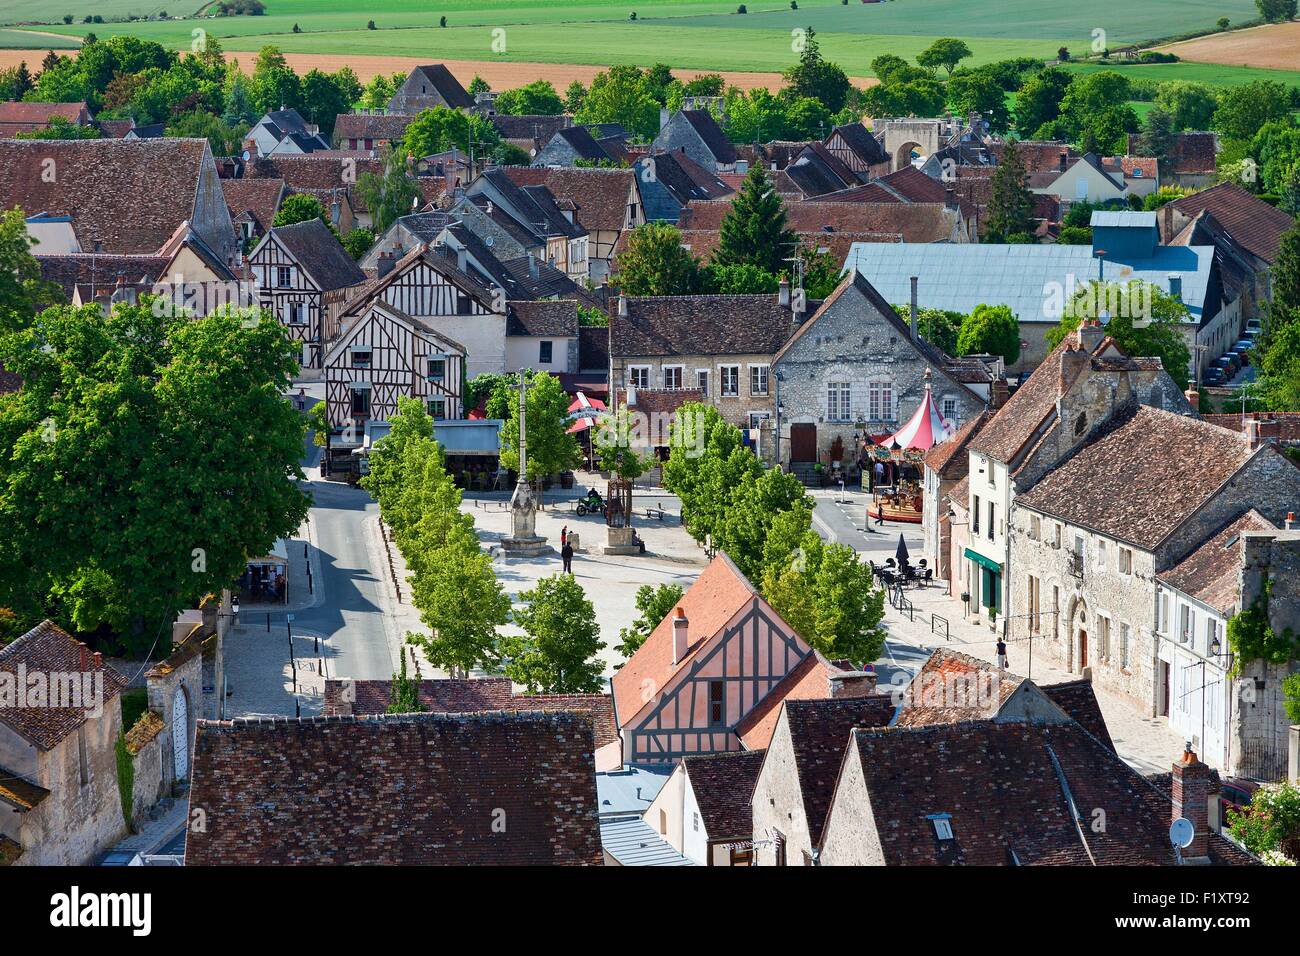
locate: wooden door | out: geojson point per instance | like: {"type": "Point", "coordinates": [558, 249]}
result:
{"type": "Point", "coordinates": [1083, 649]}
{"type": "Point", "coordinates": [803, 442]}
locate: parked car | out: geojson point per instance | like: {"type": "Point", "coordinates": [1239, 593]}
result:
{"type": "Point", "coordinates": [1235, 793]}
{"type": "Point", "coordinates": [1241, 348]}
{"type": "Point", "coordinates": [1230, 364]}
{"type": "Point", "coordinates": [1254, 326]}
{"type": "Point", "coordinates": [1212, 376]}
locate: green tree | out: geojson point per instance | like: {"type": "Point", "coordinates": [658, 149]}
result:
{"type": "Point", "coordinates": [358, 242]}
{"type": "Point", "coordinates": [300, 207]}
{"type": "Point", "coordinates": [274, 85]}
{"type": "Point", "coordinates": [990, 330]}
{"type": "Point", "coordinates": [946, 53]}
{"type": "Point", "coordinates": [556, 654]}
{"type": "Point", "coordinates": [1191, 105]}
{"type": "Point", "coordinates": [478, 85]}
{"type": "Point", "coordinates": [1276, 151]}
{"type": "Point", "coordinates": [739, 279]}
{"type": "Point", "coordinates": [654, 602]}
{"type": "Point", "coordinates": [1095, 112]}
{"type": "Point", "coordinates": [1157, 137]}
{"type": "Point", "coordinates": [438, 129]}
{"type": "Point", "coordinates": [376, 93]}
{"type": "Point", "coordinates": [404, 692]}
{"type": "Point", "coordinates": [1276, 11]}
{"type": "Point", "coordinates": [620, 95]}
{"type": "Point", "coordinates": [325, 96]}
{"type": "Point", "coordinates": [99, 447]}
{"type": "Point", "coordinates": [22, 290]}
{"type": "Point", "coordinates": [389, 195]}
{"type": "Point", "coordinates": [319, 424]}
{"type": "Point", "coordinates": [1271, 824]}
{"type": "Point", "coordinates": [551, 449]}
{"type": "Point", "coordinates": [816, 77]}
{"type": "Point", "coordinates": [1010, 201]}
{"type": "Point", "coordinates": [574, 95]}
{"type": "Point", "coordinates": [1144, 321]}
{"type": "Point", "coordinates": [1038, 102]}
{"type": "Point", "coordinates": [937, 326]}
{"type": "Point", "coordinates": [754, 230]}
{"type": "Point", "coordinates": [980, 92]}
{"type": "Point", "coordinates": [536, 98]}
{"type": "Point", "coordinates": [621, 451]}
{"type": "Point", "coordinates": [1278, 387]}
{"type": "Point", "coordinates": [705, 463]}
{"type": "Point", "coordinates": [224, 139]}
{"type": "Point", "coordinates": [462, 603]}
{"type": "Point", "coordinates": [829, 596]}
{"type": "Point", "coordinates": [1244, 110]}
{"type": "Point", "coordinates": [655, 263]}
{"type": "Point", "coordinates": [60, 128]}
{"type": "Point", "coordinates": [752, 503]}
{"type": "Point", "coordinates": [1285, 304]}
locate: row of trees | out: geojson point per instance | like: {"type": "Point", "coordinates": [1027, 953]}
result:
{"type": "Point", "coordinates": [146, 455]}
{"type": "Point", "coordinates": [453, 581]}
{"type": "Point", "coordinates": [762, 519]}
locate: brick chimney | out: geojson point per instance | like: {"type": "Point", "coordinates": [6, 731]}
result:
{"type": "Point", "coordinates": [1290, 521]}
{"type": "Point", "coordinates": [1191, 799]}
{"type": "Point", "coordinates": [1193, 398]}
{"type": "Point", "coordinates": [1064, 161]}
{"type": "Point", "coordinates": [999, 392]}
{"type": "Point", "coordinates": [680, 640]}
{"type": "Point", "coordinates": [1252, 433]}
{"type": "Point", "coordinates": [1090, 334]}
{"type": "Point", "coordinates": [622, 306]}
{"type": "Point", "coordinates": [99, 660]}
{"type": "Point", "coordinates": [783, 293]}
{"type": "Point", "coordinates": [851, 684]}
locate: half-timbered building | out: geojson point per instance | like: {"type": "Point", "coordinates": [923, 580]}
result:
{"type": "Point", "coordinates": [703, 669]}
{"type": "Point", "coordinates": [301, 272]}
{"type": "Point", "coordinates": [384, 354]}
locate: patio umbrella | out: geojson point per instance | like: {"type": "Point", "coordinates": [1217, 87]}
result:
{"type": "Point", "coordinates": [901, 552]}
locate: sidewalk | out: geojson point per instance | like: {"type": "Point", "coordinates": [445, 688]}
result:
{"type": "Point", "coordinates": [303, 574]}
{"type": "Point", "coordinates": [1146, 743]}
{"type": "Point", "coordinates": [260, 675]}
{"type": "Point", "coordinates": [154, 833]}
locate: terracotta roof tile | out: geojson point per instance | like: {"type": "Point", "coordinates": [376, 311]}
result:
{"type": "Point", "coordinates": [49, 650]}
{"type": "Point", "coordinates": [807, 680]}
{"type": "Point", "coordinates": [557, 317]}
{"type": "Point", "coordinates": [599, 196]}
{"type": "Point", "coordinates": [1211, 572]}
{"type": "Point", "coordinates": [130, 194]}
{"type": "Point", "coordinates": [1077, 699]}
{"type": "Point", "coordinates": [700, 325]}
{"type": "Point", "coordinates": [411, 789]}
{"type": "Point", "coordinates": [260, 197]}
{"type": "Point", "coordinates": [723, 785]}
{"type": "Point", "coordinates": [375, 126]}
{"type": "Point", "coordinates": [1254, 224]}
{"type": "Point", "coordinates": [23, 117]}
{"type": "Point", "coordinates": [1145, 474]}
{"type": "Point", "coordinates": [916, 222]}
{"type": "Point", "coordinates": [938, 457]}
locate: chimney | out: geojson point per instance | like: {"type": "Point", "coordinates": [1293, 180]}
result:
{"type": "Point", "coordinates": [680, 641]}
{"type": "Point", "coordinates": [1252, 433]}
{"type": "Point", "coordinates": [1176, 286]}
{"type": "Point", "coordinates": [915, 279]}
{"type": "Point", "coordinates": [999, 392]}
{"type": "Point", "coordinates": [99, 659]}
{"type": "Point", "coordinates": [462, 259]}
{"type": "Point", "coordinates": [851, 684]}
{"type": "Point", "coordinates": [950, 197]}
{"type": "Point", "coordinates": [532, 265]}
{"type": "Point", "coordinates": [783, 293]}
{"type": "Point", "coordinates": [1064, 161]}
{"type": "Point", "coordinates": [83, 655]}
{"type": "Point", "coordinates": [1193, 398]}
{"type": "Point", "coordinates": [1090, 335]}
{"type": "Point", "coordinates": [622, 307]}
{"type": "Point", "coordinates": [1191, 799]}
{"type": "Point", "coordinates": [385, 264]}
{"type": "Point", "coordinates": [1290, 521]}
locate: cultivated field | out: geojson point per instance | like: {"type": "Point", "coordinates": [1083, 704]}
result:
{"type": "Point", "coordinates": [687, 34]}
{"type": "Point", "coordinates": [1276, 46]}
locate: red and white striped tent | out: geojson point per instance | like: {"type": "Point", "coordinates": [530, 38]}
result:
{"type": "Point", "coordinates": [926, 428]}
{"type": "Point", "coordinates": [585, 412]}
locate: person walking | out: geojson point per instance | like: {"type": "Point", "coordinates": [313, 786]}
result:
{"type": "Point", "coordinates": [564, 535]}
{"type": "Point", "coordinates": [566, 555]}
{"type": "Point", "coordinates": [1002, 654]}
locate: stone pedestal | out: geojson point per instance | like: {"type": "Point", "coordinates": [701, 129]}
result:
{"type": "Point", "coordinates": [619, 541]}
{"type": "Point", "coordinates": [524, 541]}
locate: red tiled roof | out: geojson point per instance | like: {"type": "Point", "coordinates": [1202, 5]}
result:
{"type": "Point", "coordinates": [600, 196]}
{"type": "Point", "coordinates": [915, 222]}
{"type": "Point", "coordinates": [49, 650]}
{"type": "Point", "coordinates": [952, 688]}
{"type": "Point", "coordinates": [1077, 699]}
{"type": "Point", "coordinates": [807, 680]}
{"type": "Point", "coordinates": [261, 197]}
{"type": "Point", "coordinates": [723, 784]}
{"type": "Point", "coordinates": [409, 789]}
{"type": "Point", "coordinates": [938, 457]}
{"type": "Point", "coordinates": [1211, 572]}
{"type": "Point", "coordinates": [1254, 224]}
{"type": "Point", "coordinates": [23, 117]}
{"type": "Point", "coordinates": [1003, 786]}
{"type": "Point", "coordinates": [130, 194]}
{"type": "Point", "coordinates": [1142, 477]}
{"type": "Point", "coordinates": [715, 598]}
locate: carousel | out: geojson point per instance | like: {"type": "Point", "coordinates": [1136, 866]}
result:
{"type": "Point", "coordinates": [897, 492]}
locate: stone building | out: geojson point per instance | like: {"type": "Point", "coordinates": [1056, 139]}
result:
{"type": "Point", "coordinates": [856, 369]}
{"type": "Point", "coordinates": [58, 766]}
{"type": "Point", "coordinates": [1083, 383]}
{"type": "Point", "coordinates": [698, 135]}
{"type": "Point", "coordinates": [1101, 548]}
{"type": "Point", "coordinates": [945, 467]}
{"type": "Point", "coordinates": [720, 345]}
{"type": "Point", "coordinates": [427, 87]}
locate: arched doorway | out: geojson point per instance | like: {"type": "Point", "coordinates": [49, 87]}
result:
{"type": "Point", "coordinates": [1076, 634]}
{"type": "Point", "coordinates": [181, 733]}
{"type": "Point", "coordinates": [907, 154]}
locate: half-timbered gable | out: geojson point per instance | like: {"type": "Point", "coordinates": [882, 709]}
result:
{"type": "Point", "coordinates": [295, 268]}
{"type": "Point", "coordinates": [703, 669]}
{"type": "Point", "coordinates": [438, 286]}
{"type": "Point", "coordinates": [384, 354]}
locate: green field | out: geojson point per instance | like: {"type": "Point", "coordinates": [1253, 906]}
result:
{"type": "Point", "coordinates": [698, 34]}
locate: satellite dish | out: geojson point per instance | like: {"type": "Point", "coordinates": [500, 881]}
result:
{"type": "Point", "coordinates": [1181, 833]}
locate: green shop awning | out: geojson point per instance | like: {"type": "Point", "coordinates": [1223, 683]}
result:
{"type": "Point", "coordinates": [983, 561]}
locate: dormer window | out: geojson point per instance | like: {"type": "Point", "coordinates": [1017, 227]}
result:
{"type": "Point", "coordinates": [942, 825]}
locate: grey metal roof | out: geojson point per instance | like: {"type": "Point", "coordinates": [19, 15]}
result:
{"type": "Point", "coordinates": [1123, 217]}
{"type": "Point", "coordinates": [961, 276]}
{"type": "Point", "coordinates": [632, 842]}
{"type": "Point", "coordinates": [630, 790]}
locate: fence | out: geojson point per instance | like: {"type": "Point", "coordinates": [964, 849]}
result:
{"type": "Point", "coordinates": [1263, 760]}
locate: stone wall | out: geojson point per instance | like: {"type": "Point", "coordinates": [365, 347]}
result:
{"type": "Point", "coordinates": [851, 838]}
{"type": "Point", "coordinates": [778, 803]}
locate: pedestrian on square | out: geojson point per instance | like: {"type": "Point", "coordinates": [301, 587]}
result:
{"type": "Point", "coordinates": [564, 535]}
{"type": "Point", "coordinates": [566, 555]}
{"type": "Point", "coordinates": [1002, 654]}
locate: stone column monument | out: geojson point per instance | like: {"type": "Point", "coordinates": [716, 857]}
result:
{"type": "Point", "coordinates": [524, 541]}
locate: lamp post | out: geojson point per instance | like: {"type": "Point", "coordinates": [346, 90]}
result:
{"type": "Point", "coordinates": [776, 433]}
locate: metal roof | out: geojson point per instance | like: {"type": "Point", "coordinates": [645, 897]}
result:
{"type": "Point", "coordinates": [961, 276]}
{"type": "Point", "coordinates": [630, 790]}
{"type": "Point", "coordinates": [1126, 218]}
{"type": "Point", "coordinates": [632, 842]}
